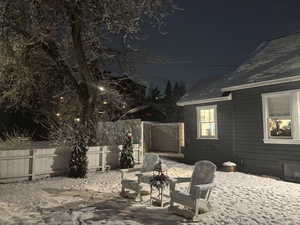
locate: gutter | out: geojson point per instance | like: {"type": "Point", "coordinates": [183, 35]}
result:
{"type": "Point", "coordinates": [262, 83]}
{"type": "Point", "coordinates": [208, 100]}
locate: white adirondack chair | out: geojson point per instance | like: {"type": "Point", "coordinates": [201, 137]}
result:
{"type": "Point", "coordinates": [201, 185]}
{"type": "Point", "coordinates": [149, 162]}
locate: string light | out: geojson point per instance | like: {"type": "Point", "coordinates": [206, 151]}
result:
{"type": "Point", "coordinates": [77, 119]}
{"type": "Point", "coordinates": [104, 102]}
{"type": "Point", "coordinates": [101, 88]}
{"type": "Point", "coordinates": [57, 114]}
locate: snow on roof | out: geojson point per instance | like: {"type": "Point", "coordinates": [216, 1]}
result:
{"type": "Point", "coordinates": [273, 59]}
{"type": "Point", "coordinates": [209, 87]}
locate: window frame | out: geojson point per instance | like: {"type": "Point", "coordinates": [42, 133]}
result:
{"type": "Point", "coordinates": [198, 109]}
{"type": "Point", "coordinates": [295, 113]}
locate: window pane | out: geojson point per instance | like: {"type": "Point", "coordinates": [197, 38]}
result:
{"type": "Point", "coordinates": [280, 127]}
{"type": "Point", "coordinates": [207, 115]}
{"type": "Point", "coordinates": [279, 105]}
{"type": "Point", "coordinates": [208, 129]}
{"type": "Point", "coordinates": [212, 115]}
{"type": "Point", "coordinates": [204, 115]}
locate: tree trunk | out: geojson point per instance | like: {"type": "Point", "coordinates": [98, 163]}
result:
{"type": "Point", "coordinates": [86, 96]}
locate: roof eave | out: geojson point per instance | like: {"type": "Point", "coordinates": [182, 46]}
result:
{"type": "Point", "coordinates": [262, 83]}
{"type": "Point", "coordinates": [202, 101]}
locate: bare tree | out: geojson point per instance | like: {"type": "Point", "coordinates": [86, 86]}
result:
{"type": "Point", "coordinates": [78, 38]}
{"type": "Point", "coordinates": [59, 48]}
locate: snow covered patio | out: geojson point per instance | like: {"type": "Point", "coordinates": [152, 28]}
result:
{"type": "Point", "coordinates": [238, 199]}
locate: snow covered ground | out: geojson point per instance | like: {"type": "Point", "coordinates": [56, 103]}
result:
{"type": "Point", "coordinates": [239, 199]}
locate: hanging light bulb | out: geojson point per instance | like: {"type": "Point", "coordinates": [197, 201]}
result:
{"type": "Point", "coordinates": [101, 88]}
{"type": "Point", "coordinates": [77, 119]}
{"type": "Point", "coordinates": [57, 114]}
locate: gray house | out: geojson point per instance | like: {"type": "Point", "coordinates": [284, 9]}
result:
{"type": "Point", "coordinates": [252, 116]}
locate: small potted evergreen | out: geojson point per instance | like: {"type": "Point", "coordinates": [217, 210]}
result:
{"type": "Point", "coordinates": [126, 159]}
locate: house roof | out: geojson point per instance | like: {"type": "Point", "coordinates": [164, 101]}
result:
{"type": "Point", "coordinates": [274, 59]}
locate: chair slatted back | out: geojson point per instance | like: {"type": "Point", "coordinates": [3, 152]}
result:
{"type": "Point", "coordinates": [204, 173]}
{"type": "Point", "coordinates": [149, 162]}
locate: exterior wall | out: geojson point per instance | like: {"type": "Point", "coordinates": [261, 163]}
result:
{"type": "Point", "coordinates": [219, 150]}
{"type": "Point", "coordinates": [252, 153]}
{"type": "Point", "coordinates": [240, 131]}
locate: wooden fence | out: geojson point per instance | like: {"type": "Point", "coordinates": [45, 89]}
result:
{"type": "Point", "coordinates": [37, 162]}
{"type": "Point", "coordinates": [113, 133]}
{"type": "Point", "coordinates": [152, 136]}
{"type": "Point", "coordinates": [163, 137]}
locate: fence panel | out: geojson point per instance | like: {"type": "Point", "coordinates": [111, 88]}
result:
{"type": "Point", "coordinates": [50, 161]}
{"type": "Point", "coordinates": [15, 163]}
{"type": "Point", "coordinates": [113, 133]}
{"type": "Point", "coordinates": [39, 162]}
{"type": "Point", "coordinates": [167, 137]}
{"type": "Point", "coordinates": [93, 158]}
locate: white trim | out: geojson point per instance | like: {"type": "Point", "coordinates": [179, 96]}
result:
{"type": "Point", "coordinates": [262, 83]}
{"type": "Point", "coordinates": [272, 94]}
{"type": "Point", "coordinates": [207, 138]}
{"type": "Point", "coordinates": [295, 112]}
{"type": "Point", "coordinates": [208, 100]}
{"type": "Point", "coordinates": [199, 122]}
{"type": "Point", "coordinates": [265, 112]}
{"type": "Point", "coordinates": [282, 141]}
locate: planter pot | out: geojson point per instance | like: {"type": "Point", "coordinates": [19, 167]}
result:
{"type": "Point", "coordinates": [229, 168]}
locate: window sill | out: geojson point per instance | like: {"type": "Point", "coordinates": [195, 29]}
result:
{"type": "Point", "coordinates": [282, 141]}
{"type": "Point", "coordinates": [207, 138]}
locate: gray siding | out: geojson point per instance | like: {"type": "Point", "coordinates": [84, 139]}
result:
{"type": "Point", "coordinates": [240, 130]}
{"type": "Point", "coordinates": [254, 155]}
{"type": "Point", "coordinates": [217, 151]}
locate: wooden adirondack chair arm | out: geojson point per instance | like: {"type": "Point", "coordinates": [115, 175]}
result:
{"type": "Point", "coordinates": [178, 180]}
{"type": "Point", "coordinates": [139, 174]}
{"type": "Point", "coordinates": [204, 187]}
{"type": "Point", "coordinates": [129, 170]}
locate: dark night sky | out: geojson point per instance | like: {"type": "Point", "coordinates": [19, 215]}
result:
{"type": "Point", "coordinates": [208, 34]}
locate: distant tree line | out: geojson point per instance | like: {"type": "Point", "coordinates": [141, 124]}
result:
{"type": "Point", "coordinates": [166, 99]}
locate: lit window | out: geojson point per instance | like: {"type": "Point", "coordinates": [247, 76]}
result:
{"type": "Point", "coordinates": [281, 117]}
{"type": "Point", "coordinates": [207, 122]}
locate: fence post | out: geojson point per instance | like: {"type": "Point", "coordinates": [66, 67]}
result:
{"type": "Point", "coordinates": [141, 146]}
{"type": "Point", "coordinates": [104, 148]}
{"type": "Point", "coordinates": [33, 164]}
{"type": "Point", "coordinates": [141, 150]}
